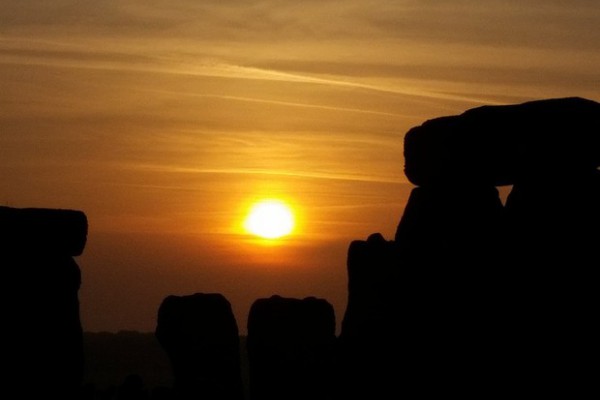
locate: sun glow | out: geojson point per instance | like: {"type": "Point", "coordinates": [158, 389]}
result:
{"type": "Point", "coordinates": [270, 219]}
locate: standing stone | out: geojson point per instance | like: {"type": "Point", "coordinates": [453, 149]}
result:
{"type": "Point", "coordinates": [513, 291]}
{"type": "Point", "coordinates": [200, 335]}
{"type": "Point", "coordinates": [42, 334]}
{"type": "Point", "coordinates": [556, 220]}
{"type": "Point", "coordinates": [452, 227]}
{"type": "Point", "coordinates": [291, 348]}
{"type": "Point", "coordinates": [554, 227]}
{"type": "Point", "coordinates": [369, 346]}
{"type": "Point", "coordinates": [452, 244]}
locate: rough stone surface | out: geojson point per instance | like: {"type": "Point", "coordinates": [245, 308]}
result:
{"type": "Point", "coordinates": [291, 348]}
{"type": "Point", "coordinates": [43, 230]}
{"type": "Point", "coordinates": [555, 240]}
{"type": "Point", "coordinates": [200, 335]}
{"type": "Point", "coordinates": [501, 145]}
{"type": "Point", "coordinates": [452, 225]}
{"type": "Point", "coordinates": [42, 333]}
{"type": "Point", "coordinates": [369, 345]}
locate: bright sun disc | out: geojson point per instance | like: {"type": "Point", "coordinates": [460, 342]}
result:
{"type": "Point", "coordinates": [270, 219]}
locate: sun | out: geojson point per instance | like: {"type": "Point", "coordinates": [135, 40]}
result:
{"type": "Point", "coordinates": [270, 219]}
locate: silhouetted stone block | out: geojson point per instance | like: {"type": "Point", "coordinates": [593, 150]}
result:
{"type": "Point", "coordinates": [424, 314]}
{"type": "Point", "coordinates": [550, 219]}
{"type": "Point", "coordinates": [454, 276]}
{"type": "Point", "coordinates": [556, 237]}
{"type": "Point", "coordinates": [370, 342]}
{"type": "Point", "coordinates": [42, 334]}
{"type": "Point", "coordinates": [373, 273]}
{"type": "Point", "coordinates": [500, 145]}
{"type": "Point", "coordinates": [42, 230]}
{"type": "Point", "coordinates": [502, 298]}
{"type": "Point", "coordinates": [200, 335]}
{"type": "Point", "coordinates": [291, 348]}
{"type": "Point", "coordinates": [454, 226]}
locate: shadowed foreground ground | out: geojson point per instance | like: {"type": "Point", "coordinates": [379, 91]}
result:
{"type": "Point", "coordinates": [111, 357]}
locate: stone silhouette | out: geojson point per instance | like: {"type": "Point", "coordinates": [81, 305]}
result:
{"type": "Point", "coordinates": [42, 333]}
{"type": "Point", "coordinates": [132, 388]}
{"type": "Point", "coordinates": [412, 301]}
{"type": "Point", "coordinates": [200, 335]}
{"type": "Point", "coordinates": [369, 345]}
{"type": "Point", "coordinates": [459, 221]}
{"type": "Point", "coordinates": [500, 145]}
{"type": "Point", "coordinates": [291, 348]}
{"type": "Point", "coordinates": [555, 235]}
{"type": "Point", "coordinates": [486, 299]}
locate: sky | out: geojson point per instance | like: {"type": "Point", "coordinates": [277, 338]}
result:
{"type": "Point", "coordinates": [164, 121]}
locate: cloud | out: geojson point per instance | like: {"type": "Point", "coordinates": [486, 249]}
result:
{"type": "Point", "coordinates": [267, 172]}
{"type": "Point", "coordinates": [443, 50]}
{"type": "Point", "coordinates": [18, 50]}
{"type": "Point", "coordinates": [532, 24]}
{"type": "Point", "coordinates": [88, 16]}
{"type": "Point", "coordinates": [494, 22]}
{"type": "Point", "coordinates": [289, 72]}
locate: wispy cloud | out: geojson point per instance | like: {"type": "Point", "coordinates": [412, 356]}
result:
{"type": "Point", "coordinates": [402, 87]}
{"type": "Point", "coordinates": [265, 172]}
{"type": "Point", "coordinates": [207, 68]}
{"type": "Point", "coordinates": [405, 47]}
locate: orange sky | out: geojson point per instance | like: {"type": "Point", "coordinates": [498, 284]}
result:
{"type": "Point", "coordinates": [164, 122]}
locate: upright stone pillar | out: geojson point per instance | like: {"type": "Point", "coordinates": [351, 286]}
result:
{"type": "Point", "coordinates": [200, 335]}
{"type": "Point", "coordinates": [291, 349]}
{"type": "Point", "coordinates": [42, 333]}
